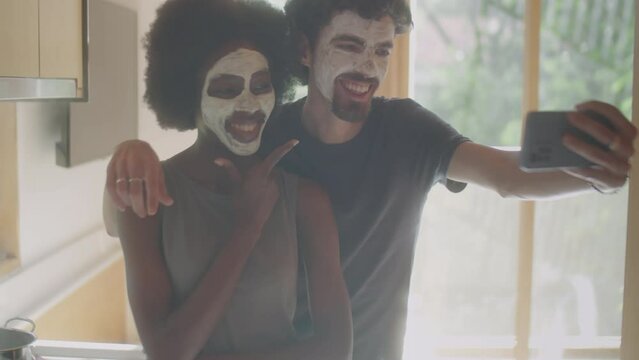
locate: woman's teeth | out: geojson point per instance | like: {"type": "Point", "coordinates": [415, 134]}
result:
{"type": "Point", "coordinates": [244, 127]}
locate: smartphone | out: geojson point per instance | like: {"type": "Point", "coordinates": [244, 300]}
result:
{"type": "Point", "coordinates": [542, 148]}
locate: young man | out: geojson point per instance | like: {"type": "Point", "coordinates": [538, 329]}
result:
{"type": "Point", "coordinates": [378, 158]}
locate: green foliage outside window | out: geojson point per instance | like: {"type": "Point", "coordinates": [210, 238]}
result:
{"type": "Point", "coordinates": [480, 93]}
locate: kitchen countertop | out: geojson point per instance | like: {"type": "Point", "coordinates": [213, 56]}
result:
{"type": "Point", "coordinates": [66, 350]}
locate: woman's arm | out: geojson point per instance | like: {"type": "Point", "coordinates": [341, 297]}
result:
{"type": "Point", "coordinates": [329, 299]}
{"type": "Point", "coordinates": [176, 333]}
{"type": "Point", "coordinates": [330, 305]}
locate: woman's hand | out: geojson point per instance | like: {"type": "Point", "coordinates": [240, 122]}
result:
{"type": "Point", "coordinates": [255, 192]}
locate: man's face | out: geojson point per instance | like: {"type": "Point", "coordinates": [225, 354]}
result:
{"type": "Point", "coordinates": [237, 98]}
{"type": "Point", "coordinates": [350, 61]}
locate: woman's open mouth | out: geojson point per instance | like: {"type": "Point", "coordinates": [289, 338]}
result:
{"type": "Point", "coordinates": [245, 127]}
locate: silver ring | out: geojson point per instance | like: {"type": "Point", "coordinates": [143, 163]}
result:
{"type": "Point", "coordinates": [614, 144]}
{"type": "Point", "coordinates": [131, 180]}
{"type": "Point", "coordinates": [120, 180]}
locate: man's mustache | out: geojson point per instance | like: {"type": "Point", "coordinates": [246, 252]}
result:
{"type": "Point", "coordinates": [356, 76]}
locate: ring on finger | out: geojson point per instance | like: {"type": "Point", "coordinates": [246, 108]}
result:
{"type": "Point", "coordinates": [120, 180]}
{"type": "Point", "coordinates": [615, 143]}
{"type": "Point", "coordinates": [132, 180]}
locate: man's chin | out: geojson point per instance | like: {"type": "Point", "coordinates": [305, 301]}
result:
{"type": "Point", "coordinates": [354, 112]}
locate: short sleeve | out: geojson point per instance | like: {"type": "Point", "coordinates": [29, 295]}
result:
{"type": "Point", "coordinates": [425, 142]}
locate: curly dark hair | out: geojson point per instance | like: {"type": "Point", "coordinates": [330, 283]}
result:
{"type": "Point", "coordinates": [308, 17]}
{"type": "Point", "coordinates": [186, 35]}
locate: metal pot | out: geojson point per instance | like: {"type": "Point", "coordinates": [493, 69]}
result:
{"type": "Point", "coordinates": [16, 344]}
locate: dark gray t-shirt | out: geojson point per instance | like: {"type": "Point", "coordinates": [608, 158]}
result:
{"type": "Point", "coordinates": [377, 183]}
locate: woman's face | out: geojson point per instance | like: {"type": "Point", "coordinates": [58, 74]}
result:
{"type": "Point", "coordinates": [237, 99]}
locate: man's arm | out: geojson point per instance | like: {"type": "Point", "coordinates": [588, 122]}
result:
{"type": "Point", "coordinates": [499, 169]}
{"type": "Point", "coordinates": [109, 215]}
{"type": "Point", "coordinates": [134, 179]}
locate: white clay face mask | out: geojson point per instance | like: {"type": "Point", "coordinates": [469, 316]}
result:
{"type": "Point", "coordinates": [237, 99]}
{"type": "Point", "coordinates": [350, 44]}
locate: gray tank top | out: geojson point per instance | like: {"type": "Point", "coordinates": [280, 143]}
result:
{"type": "Point", "coordinates": [195, 228]}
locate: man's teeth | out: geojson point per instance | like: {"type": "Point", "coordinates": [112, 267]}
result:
{"type": "Point", "coordinates": [244, 128]}
{"type": "Point", "coordinates": [357, 88]}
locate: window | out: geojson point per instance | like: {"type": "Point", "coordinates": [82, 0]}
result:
{"type": "Point", "coordinates": [466, 299]}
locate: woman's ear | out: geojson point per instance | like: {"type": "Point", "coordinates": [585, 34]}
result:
{"type": "Point", "coordinates": [304, 48]}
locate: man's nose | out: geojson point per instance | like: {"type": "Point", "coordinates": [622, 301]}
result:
{"type": "Point", "coordinates": [367, 66]}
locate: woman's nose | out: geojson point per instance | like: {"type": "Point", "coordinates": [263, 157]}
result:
{"type": "Point", "coordinates": [247, 102]}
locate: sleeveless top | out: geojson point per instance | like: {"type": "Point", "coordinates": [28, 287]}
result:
{"type": "Point", "coordinates": [195, 228]}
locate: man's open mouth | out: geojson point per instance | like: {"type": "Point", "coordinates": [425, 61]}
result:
{"type": "Point", "coordinates": [244, 127]}
{"type": "Point", "coordinates": [359, 90]}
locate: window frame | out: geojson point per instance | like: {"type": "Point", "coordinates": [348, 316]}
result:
{"type": "Point", "coordinates": [630, 319]}
{"type": "Point", "coordinates": [398, 84]}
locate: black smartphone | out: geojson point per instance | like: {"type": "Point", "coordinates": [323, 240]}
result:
{"type": "Point", "coordinates": [542, 148]}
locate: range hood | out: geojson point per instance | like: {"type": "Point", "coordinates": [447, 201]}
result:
{"type": "Point", "coordinates": [45, 50]}
{"type": "Point", "coordinates": [20, 89]}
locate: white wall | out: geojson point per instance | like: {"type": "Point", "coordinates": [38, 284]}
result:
{"type": "Point", "coordinates": [56, 205]}
{"type": "Point", "coordinates": [60, 209]}
{"type": "Point", "coordinates": [59, 205]}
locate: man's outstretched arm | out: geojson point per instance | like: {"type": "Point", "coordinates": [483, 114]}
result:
{"type": "Point", "coordinates": [499, 170]}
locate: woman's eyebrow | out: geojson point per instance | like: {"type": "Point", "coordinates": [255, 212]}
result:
{"type": "Point", "coordinates": [225, 77]}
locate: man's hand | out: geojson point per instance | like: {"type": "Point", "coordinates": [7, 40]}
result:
{"type": "Point", "coordinates": [255, 193]}
{"type": "Point", "coordinates": [613, 166]}
{"type": "Point", "coordinates": [135, 178]}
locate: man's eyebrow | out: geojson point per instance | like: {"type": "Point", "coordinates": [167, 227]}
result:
{"type": "Point", "coordinates": [347, 37]}
{"type": "Point", "coordinates": [386, 44]}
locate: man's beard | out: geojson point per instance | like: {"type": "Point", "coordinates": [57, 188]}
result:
{"type": "Point", "coordinates": [350, 111]}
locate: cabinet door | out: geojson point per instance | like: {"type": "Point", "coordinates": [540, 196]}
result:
{"type": "Point", "coordinates": [61, 40]}
{"type": "Point", "coordinates": [19, 38]}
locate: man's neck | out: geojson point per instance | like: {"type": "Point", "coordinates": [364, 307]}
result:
{"type": "Point", "coordinates": [320, 122]}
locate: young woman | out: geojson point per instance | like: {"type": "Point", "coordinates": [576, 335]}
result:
{"type": "Point", "coordinates": [214, 275]}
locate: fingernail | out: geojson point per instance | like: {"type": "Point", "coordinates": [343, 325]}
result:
{"type": "Point", "coordinates": [566, 139]}
{"type": "Point", "coordinates": [296, 142]}
{"type": "Point", "coordinates": [218, 162]}
{"type": "Point", "coordinates": [572, 118]}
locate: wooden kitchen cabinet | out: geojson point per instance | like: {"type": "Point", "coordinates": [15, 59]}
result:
{"type": "Point", "coordinates": [43, 39]}
{"type": "Point", "coordinates": [61, 40]}
{"type": "Point", "coordinates": [19, 52]}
